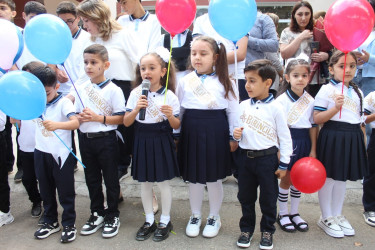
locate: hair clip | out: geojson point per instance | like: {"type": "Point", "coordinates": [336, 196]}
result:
{"type": "Point", "coordinates": [163, 53]}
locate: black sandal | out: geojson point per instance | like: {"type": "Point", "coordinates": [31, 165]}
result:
{"type": "Point", "coordinates": [284, 227]}
{"type": "Point", "coordinates": [298, 226]}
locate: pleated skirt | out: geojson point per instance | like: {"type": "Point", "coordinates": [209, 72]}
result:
{"type": "Point", "coordinates": [301, 144]}
{"type": "Point", "coordinates": [341, 149]}
{"type": "Point", "coordinates": [204, 152]}
{"type": "Point", "coordinates": [154, 153]}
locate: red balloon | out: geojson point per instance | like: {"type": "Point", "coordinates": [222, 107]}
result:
{"type": "Point", "coordinates": [308, 175]}
{"type": "Point", "coordinates": [175, 16]}
{"type": "Point", "coordinates": [348, 23]}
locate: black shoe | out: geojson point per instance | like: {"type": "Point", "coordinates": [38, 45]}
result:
{"type": "Point", "coordinates": [266, 241]}
{"type": "Point", "coordinates": [18, 176]}
{"type": "Point", "coordinates": [162, 231]}
{"type": "Point", "coordinates": [69, 234]}
{"type": "Point", "coordinates": [244, 239]}
{"type": "Point", "coordinates": [46, 230]}
{"type": "Point", "coordinates": [93, 224]}
{"type": "Point", "coordinates": [36, 209]}
{"type": "Point", "coordinates": [41, 220]}
{"type": "Point", "coordinates": [145, 231]}
{"type": "Point", "coordinates": [111, 227]}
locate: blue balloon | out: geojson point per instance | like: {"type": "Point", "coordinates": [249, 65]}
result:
{"type": "Point", "coordinates": [22, 95]}
{"type": "Point", "coordinates": [232, 19]}
{"type": "Point", "coordinates": [48, 38]}
{"type": "Point", "coordinates": [20, 46]}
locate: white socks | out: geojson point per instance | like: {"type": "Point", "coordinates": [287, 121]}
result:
{"type": "Point", "coordinates": [283, 201]}
{"type": "Point", "coordinates": [215, 196]}
{"type": "Point", "coordinates": [196, 193]}
{"type": "Point", "coordinates": [338, 197]}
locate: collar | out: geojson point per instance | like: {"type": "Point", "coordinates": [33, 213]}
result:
{"type": "Point", "coordinates": [293, 96]}
{"type": "Point", "coordinates": [334, 82]}
{"type": "Point", "coordinates": [103, 84]}
{"type": "Point", "coordinates": [161, 91]}
{"type": "Point", "coordinates": [54, 100]}
{"type": "Point", "coordinates": [205, 75]}
{"type": "Point", "coordinates": [142, 18]}
{"type": "Point", "coordinates": [265, 100]}
{"type": "Point", "coordinates": [185, 32]}
{"type": "Point", "coordinates": [77, 33]}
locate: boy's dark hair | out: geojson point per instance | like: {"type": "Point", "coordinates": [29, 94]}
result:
{"type": "Point", "coordinates": [66, 7]}
{"type": "Point", "coordinates": [34, 7]}
{"type": "Point", "coordinates": [99, 50]}
{"type": "Point", "coordinates": [264, 68]}
{"type": "Point", "coordinates": [31, 66]}
{"type": "Point", "coordinates": [46, 75]}
{"type": "Point", "coordinates": [11, 4]}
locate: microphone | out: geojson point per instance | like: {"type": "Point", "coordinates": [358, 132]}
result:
{"type": "Point", "coordinates": [145, 88]}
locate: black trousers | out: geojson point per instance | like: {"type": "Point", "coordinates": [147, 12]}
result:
{"type": "Point", "coordinates": [52, 177]}
{"type": "Point", "coordinates": [100, 156]}
{"type": "Point", "coordinates": [254, 172]}
{"type": "Point", "coordinates": [9, 142]}
{"type": "Point", "coordinates": [4, 185]}
{"type": "Point", "coordinates": [29, 180]}
{"type": "Point", "coordinates": [368, 198]}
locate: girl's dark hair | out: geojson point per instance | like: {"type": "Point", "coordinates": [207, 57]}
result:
{"type": "Point", "coordinates": [293, 26]}
{"type": "Point", "coordinates": [163, 80]}
{"type": "Point", "coordinates": [221, 63]}
{"type": "Point", "coordinates": [289, 68]}
{"type": "Point", "coordinates": [334, 59]}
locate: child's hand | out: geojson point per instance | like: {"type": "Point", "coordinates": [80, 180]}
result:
{"type": "Point", "coordinates": [280, 173]}
{"type": "Point", "coordinates": [50, 125]}
{"type": "Point", "coordinates": [312, 154]}
{"type": "Point", "coordinates": [339, 101]}
{"type": "Point", "coordinates": [237, 133]}
{"type": "Point", "coordinates": [14, 121]}
{"type": "Point", "coordinates": [142, 103]}
{"type": "Point", "coordinates": [88, 115]}
{"type": "Point", "coordinates": [167, 110]}
{"type": "Point", "coordinates": [233, 146]}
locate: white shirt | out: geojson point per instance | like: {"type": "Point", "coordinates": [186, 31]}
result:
{"type": "Point", "coordinates": [265, 126]}
{"type": "Point", "coordinates": [203, 26]}
{"type": "Point", "coordinates": [3, 121]}
{"type": "Point", "coordinates": [26, 139]}
{"type": "Point", "coordinates": [215, 94]}
{"type": "Point", "coordinates": [155, 101]}
{"type": "Point", "coordinates": [58, 110]}
{"type": "Point", "coordinates": [104, 99]}
{"type": "Point", "coordinates": [369, 106]}
{"type": "Point", "coordinates": [297, 110]}
{"type": "Point", "coordinates": [74, 63]}
{"type": "Point", "coordinates": [26, 57]}
{"type": "Point", "coordinates": [325, 99]}
{"type": "Point", "coordinates": [147, 29]}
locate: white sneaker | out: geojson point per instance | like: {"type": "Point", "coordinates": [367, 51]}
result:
{"type": "Point", "coordinates": [194, 225]}
{"type": "Point", "coordinates": [331, 228]}
{"type": "Point", "coordinates": [345, 225]}
{"type": "Point", "coordinates": [6, 218]}
{"type": "Point", "coordinates": [212, 227]}
{"type": "Point", "coordinates": [93, 224]}
{"type": "Point", "coordinates": [369, 217]}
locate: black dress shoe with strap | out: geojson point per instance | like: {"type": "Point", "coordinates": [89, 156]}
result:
{"type": "Point", "coordinates": [162, 232]}
{"type": "Point", "coordinates": [145, 231]}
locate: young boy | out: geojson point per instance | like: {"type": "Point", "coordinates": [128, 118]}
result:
{"type": "Point", "coordinates": [104, 110]}
{"type": "Point", "coordinates": [263, 131]}
{"type": "Point", "coordinates": [54, 165]}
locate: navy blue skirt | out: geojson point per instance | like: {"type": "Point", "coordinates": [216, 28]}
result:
{"type": "Point", "coordinates": [301, 144]}
{"type": "Point", "coordinates": [341, 149]}
{"type": "Point", "coordinates": [154, 153]}
{"type": "Point", "coordinates": [204, 152]}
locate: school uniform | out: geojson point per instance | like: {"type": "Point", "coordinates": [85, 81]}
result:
{"type": "Point", "coordinates": [54, 165]}
{"type": "Point", "coordinates": [98, 144]}
{"type": "Point", "coordinates": [299, 114]}
{"type": "Point", "coordinates": [208, 118]}
{"type": "Point", "coordinates": [340, 145]}
{"type": "Point", "coordinates": [4, 185]}
{"type": "Point", "coordinates": [154, 154]}
{"type": "Point", "coordinates": [368, 198]}
{"type": "Point", "coordinates": [265, 132]}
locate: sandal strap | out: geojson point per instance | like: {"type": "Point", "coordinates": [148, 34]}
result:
{"type": "Point", "coordinates": [285, 215]}
{"type": "Point", "coordinates": [293, 215]}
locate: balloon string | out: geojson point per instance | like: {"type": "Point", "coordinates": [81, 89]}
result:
{"type": "Point", "coordinates": [169, 66]}
{"type": "Point", "coordinates": [343, 81]}
{"type": "Point", "coordinates": [73, 85]}
{"type": "Point", "coordinates": [235, 64]}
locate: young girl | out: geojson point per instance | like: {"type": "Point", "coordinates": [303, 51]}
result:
{"type": "Point", "coordinates": [208, 104]}
{"type": "Point", "coordinates": [154, 155]}
{"type": "Point", "coordinates": [298, 105]}
{"type": "Point", "coordinates": [341, 146]}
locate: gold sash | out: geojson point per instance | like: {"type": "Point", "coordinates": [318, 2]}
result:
{"type": "Point", "coordinates": [100, 103]}
{"type": "Point", "coordinates": [152, 110]}
{"type": "Point", "coordinates": [200, 92]}
{"type": "Point", "coordinates": [299, 108]}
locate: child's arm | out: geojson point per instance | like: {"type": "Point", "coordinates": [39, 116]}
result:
{"type": "Point", "coordinates": [324, 116]}
{"type": "Point", "coordinates": [370, 118]}
{"type": "Point", "coordinates": [90, 116]}
{"type": "Point", "coordinates": [129, 117]}
{"type": "Point", "coordinates": [14, 121]}
{"type": "Point", "coordinates": [168, 112]}
{"type": "Point", "coordinates": [72, 124]}
{"type": "Point", "coordinates": [313, 136]}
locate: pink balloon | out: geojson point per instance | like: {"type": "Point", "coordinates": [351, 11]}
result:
{"type": "Point", "coordinates": [9, 44]}
{"type": "Point", "coordinates": [348, 23]}
{"type": "Point", "coordinates": [175, 16]}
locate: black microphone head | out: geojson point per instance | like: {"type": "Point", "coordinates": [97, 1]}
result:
{"type": "Point", "coordinates": [146, 84]}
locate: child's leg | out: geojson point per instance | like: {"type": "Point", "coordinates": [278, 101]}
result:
{"type": "Point", "coordinates": [215, 196]}
{"type": "Point", "coordinates": [166, 201]}
{"type": "Point", "coordinates": [325, 198]}
{"type": "Point", "coordinates": [338, 197]}
{"type": "Point", "coordinates": [64, 178]}
{"type": "Point", "coordinates": [146, 196]}
{"type": "Point", "coordinates": [295, 197]}
{"type": "Point", "coordinates": [196, 193]}
{"type": "Point", "coordinates": [4, 185]}
{"type": "Point", "coordinates": [283, 194]}
{"type": "Point", "coordinates": [29, 178]}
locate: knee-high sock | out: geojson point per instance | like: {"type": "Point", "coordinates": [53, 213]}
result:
{"type": "Point", "coordinates": [295, 197]}
{"type": "Point", "coordinates": [166, 201]}
{"type": "Point", "coordinates": [283, 201]}
{"type": "Point", "coordinates": [215, 196]}
{"type": "Point", "coordinates": [325, 198]}
{"type": "Point", "coordinates": [196, 193]}
{"type": "Point", "coordinates": [146, 196]}
{"type": "Point", "coordinates": [338, 197]}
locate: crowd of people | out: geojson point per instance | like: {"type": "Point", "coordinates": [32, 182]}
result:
{"type": "Point", "coordinates": [202, 120]}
